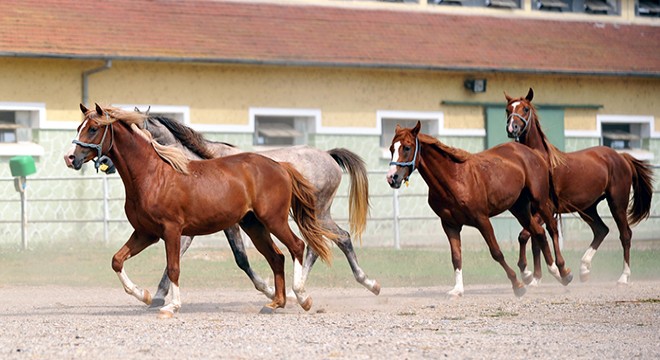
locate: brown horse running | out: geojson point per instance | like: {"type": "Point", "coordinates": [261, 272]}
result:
{"type": "Point", "coordinates": [168, 196]}
{"type": "Point", "coordinates": [582, 179]}
{"type": "Point", "coordinates": [468, 189]}
{"type": "Point", "coordinates": [322, 168]}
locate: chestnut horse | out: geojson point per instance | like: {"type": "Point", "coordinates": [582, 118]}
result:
{"type": "Point", "coordinates": [168, 196]}
{"type": "Point", "coordinates": [584, 178]}
{"type": "Point", "coordinates": [468, 189]}
{"type": "Point", "coordinates": [322, 168]}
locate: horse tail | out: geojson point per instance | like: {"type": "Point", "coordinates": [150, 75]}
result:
{"type": "Point", "coordinates": [303, 211]}
{"type": "Point", "coordinates": [642, 184]}
{"type": "Point", "coordinates": [358, 194]}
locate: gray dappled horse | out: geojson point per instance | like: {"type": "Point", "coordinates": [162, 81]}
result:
{"type": "Point", "coordinates": [322, 168]}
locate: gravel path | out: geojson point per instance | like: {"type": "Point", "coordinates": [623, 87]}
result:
{"type": "Point", "coordinates": [594, 320]}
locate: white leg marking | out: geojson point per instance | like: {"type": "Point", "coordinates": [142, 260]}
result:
{"type": "Point", "coordinates": [131, 288]}
{"type": "Point", "coordinates": [298, 283]}
{"type": "Point", "coordinates": [458, 288]}
{"type": "Point", "coordinates": [554, 270]}
{"type": "Point", "coordinates": [623, 280]}
{"type": "Point", "coordinates": [585, 266]}
{"type": "Point", "coordinates": [174, 306]}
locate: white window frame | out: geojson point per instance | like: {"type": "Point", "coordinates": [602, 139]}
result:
{"type": "Point", "coordinates": [647, 130]}
{"type": "Point", "coordinates": [435, 119]}
{"type": "Point", "coordinates": [313, 119]}
{"type": "Point", "coordinates": [24, 147]}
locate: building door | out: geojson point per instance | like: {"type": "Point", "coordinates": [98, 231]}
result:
{"type": "Point", "coordinates": [552, 122]}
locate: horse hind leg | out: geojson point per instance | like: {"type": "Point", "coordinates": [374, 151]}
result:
{"type": "Point", "coordinates": [158, 300]}
{"type": "Point", "coordinates": [346, 245]}
{"type": "Point", "coordinates": [619, 207]}
{"type": "Point", "coordinates": [237, 246]}
{"type": "Point", "coordinates": [296, 247]}
{"type": "Point", "coordinates": [600, 230]}
{"type": "Point", "coordinates": [261, 239]}
{"type": "Point", "coordinates": [135, 244]}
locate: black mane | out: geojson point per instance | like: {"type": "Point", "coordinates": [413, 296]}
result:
{"type": "Point", "coordinates": [188, 137]}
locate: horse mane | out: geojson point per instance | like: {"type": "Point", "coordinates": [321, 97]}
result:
{"type": "Point", "coordinates": [556, 156]}
{"type": "Point", "coordinates": [456, 154]}
{"type": "Point", "coordinates": [187, 136]}
{"type": "Point", "coordinates": [170, 154]}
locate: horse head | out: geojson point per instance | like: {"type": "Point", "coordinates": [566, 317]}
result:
{"type": "Point", "coordinates": [404, 150]}
{"type": "Point", "coordinates": [518, 114]}
{"type": "Point", "coordinates": [94, 139]}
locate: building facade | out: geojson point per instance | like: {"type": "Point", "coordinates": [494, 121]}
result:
{"type": "Point", "coordinates": [323, 73]}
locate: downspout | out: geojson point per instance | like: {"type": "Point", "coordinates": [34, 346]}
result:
{"type": "Point", "coordinates": [85, 81]}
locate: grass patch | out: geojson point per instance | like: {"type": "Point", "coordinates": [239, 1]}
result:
{"type": "Point", "coordinates": [86, 264]}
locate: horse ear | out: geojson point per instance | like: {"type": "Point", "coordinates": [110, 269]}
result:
{"type": "Point", "coordinates": [508, 98]}
{"type": "Point", "coordinates": [417, 127]}
{"type": "Point", "coordinates": [398, 128]}
{"type": "Point", "coordinates": [99, 110]}
{"type": "Point", "coordinates": [530, 95]}
{"type": "Point", "coordinates": [83, 109]}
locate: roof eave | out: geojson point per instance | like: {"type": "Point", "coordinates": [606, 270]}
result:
{"type": "Point", "coordinates": [334, 64]}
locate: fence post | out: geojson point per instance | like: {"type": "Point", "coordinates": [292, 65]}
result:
{"type": "Point", "coordinates": [395, 205]}
{"type": "Point", "coordinates": [106, 211]}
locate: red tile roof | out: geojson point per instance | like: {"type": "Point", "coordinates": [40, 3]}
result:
{"type": "Point", "coordinates": [260, 33]}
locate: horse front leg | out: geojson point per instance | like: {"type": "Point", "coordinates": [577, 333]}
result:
{"type": "Point", "coordinates": [527, 276]}
{"type": "Point", "coordinates": [172, 238]}
{"type": "Point", "coordinates": [486, 230]}
{"type": "Point", "coordinates": [164, 284]}
{"type": "Point", "coordinates": [454, 236]}
{"type": "Point", "coordinates": [135, 244]}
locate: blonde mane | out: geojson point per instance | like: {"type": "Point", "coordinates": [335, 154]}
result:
{"type": "Point", "coordinates": [170, 154]}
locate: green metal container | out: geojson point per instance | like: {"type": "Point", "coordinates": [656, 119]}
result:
{"type": "Point", "coordinates": [22, 166]}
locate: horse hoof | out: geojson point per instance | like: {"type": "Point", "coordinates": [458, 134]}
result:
{"type": "Point", "coordinates": [307, 304]}
{"type": "Point", "coordinates": [267, 310]}
{"type": "Point", "coordinates": [584, 277]}
{"type": "Point", "coordinates": [519, 292]}
{"type": "Point", "coordinates": [528, 279]}
{"type": "Point", "coordinates": [567, 279]}
{"type": "Point", "coordinates": [164, 314]}
{"type": "Point", "coordinates": [376, 288]}
{"type": "Point", "coordinates": [147, 297]}
{"type": "Point", "coordinates": [157, 303]}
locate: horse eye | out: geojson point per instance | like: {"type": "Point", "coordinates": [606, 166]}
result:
{"type": "Point", "coordinates": [406, 148]}
{"type": "Point", "coordinates": [92, 130]}
{"type": "Point", "coordinates": [526, 109]}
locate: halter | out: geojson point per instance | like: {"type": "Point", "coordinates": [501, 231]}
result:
{"type": "Point", "coordinates": [525, 121]}
{"type": "Point", "coordinates": [409, 163]}
{"type": "Point", "coordinates": [101, 161]}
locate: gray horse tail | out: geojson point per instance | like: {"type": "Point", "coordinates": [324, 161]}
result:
{"type": "Point", "coordinates": [358, 208]}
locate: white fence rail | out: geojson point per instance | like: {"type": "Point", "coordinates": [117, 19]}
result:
{"type": "Point", "coordinates": [109, 191]}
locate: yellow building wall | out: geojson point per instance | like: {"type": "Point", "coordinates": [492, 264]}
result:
{"type": "Point", "coordinates": [222, 94]}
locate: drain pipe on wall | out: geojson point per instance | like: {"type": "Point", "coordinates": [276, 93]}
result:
{"type": "Point", "coordinates": [85, 81]}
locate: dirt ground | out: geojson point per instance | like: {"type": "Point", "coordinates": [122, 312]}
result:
{"type": "Point", "coordinates": [591, 320]}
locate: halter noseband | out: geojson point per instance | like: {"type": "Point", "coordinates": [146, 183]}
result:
{"type": "Point", "coordinates": [101, 161]}
{"type": "Point", "coordinates": [525, 122]}
{"type": "Point", "coordinates": [409, 163]}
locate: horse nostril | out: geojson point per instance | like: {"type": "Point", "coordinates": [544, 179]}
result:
{"type": "Point", "coordinates": [395, 177]}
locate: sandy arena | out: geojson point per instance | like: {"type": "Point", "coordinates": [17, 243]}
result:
{"type": "Point", "coordinates": [593, 320]}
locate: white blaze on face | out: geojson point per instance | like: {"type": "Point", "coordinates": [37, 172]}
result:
{"type": "Point", "coordinates": [513, 110]}
{"type": "Point", "coordinates": [395, 155]}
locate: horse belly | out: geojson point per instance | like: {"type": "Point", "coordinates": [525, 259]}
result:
{"type": "Point", "coordinates": [579, 185]}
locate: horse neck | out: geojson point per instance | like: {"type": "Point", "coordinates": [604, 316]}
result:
{"type": "Point", "coordinates": [437, 168]}
{"type": "Point", "coordinates": [133, 157]}
{"type": "Point", "coordinates": [534, 138]}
